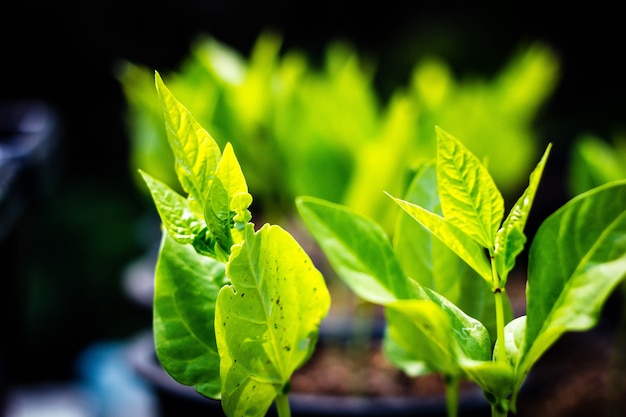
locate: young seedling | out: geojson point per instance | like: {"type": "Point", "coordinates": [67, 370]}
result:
{"type": "Point", "coordinates": [439, 317]}
{"type": "Point", "coordinates": [236, 310]}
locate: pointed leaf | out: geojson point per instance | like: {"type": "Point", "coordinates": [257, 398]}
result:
{"type": "Point", "coordinates": [183, 314]}
{"type": "Point", "coordinates": [231, 183]}
{"type": "Point", "coordinates": [577, 258]}
{"type": "Point", "coordinates": [358, 250]}
{"type": "Point", "coordinates": [230, 174]}
{"type": "Point", "coordinates": [174, 211]}
{"type": "Point", "coordinates": [469, 198]}
{"type": "Point", "coordinates": [267, 321]}
{"type": "Point", "coordinates": [460, 243]}
{"type": "Point", "coordinates": [510, 239]}
{"type": "Point", "coordinates": [196, 153]}
{"type": "Point", "coordinates": [430, 262]}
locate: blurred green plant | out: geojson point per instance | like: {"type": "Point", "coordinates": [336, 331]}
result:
{"type": "Point", "coordinates": [304, 130]}
{"type": "Point", "coordinates": [595, 161]}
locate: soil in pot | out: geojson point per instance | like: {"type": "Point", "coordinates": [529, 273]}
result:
{"type": "Point", "coordinates": [339, 380]}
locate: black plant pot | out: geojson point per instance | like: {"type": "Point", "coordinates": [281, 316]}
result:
{"type": "Point", "coordinates": [176, 399]}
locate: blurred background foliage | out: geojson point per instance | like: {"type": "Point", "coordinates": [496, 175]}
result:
{"type": "Point", "coordinates": [483, 71]}
{"type": "Point", "coordinates": [325, 131]}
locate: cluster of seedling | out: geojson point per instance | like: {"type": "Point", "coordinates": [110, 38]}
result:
{"type": "Point", "coordinates": [237, 307]}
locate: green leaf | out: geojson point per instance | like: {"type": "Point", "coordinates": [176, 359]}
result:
{"type": "Point", "coordinates": [404, 359]}
{"type": "Point", "coordinates": [469, 198]}
{"type": "Point", "coordinates": [460, 243]}
{"type": "Point", "coordinates": [576, 260]}
{"type": "Point", "coordinates": [217, 215]}
{"type": "Point", "coordinates": [174, 211]}
{"type": "Point", "coordinates": [430, 262]}
{"type": "Point", "coordinates": [358, 250]}
{"type": "Point", "coordinates": [183, 314]}
{"type": "Point", "coordinates": [514, 335]}
{"type": "Point", "coordinates": [422, 330]}
{"type": "Point", "coordinates": [230, 182]}
{"type": "Point", "coordinates": [230, 174]}
{"type": "Point", "coordinates": [494, 377]}
{"type": "Point", "coordinates": [510, 239]}
{"type": "Point", "coordinates": [196, 153]}
{"type": "Point", "coordinates": [267, 320]}
{"type": "Point", "coordinates": [435, 331]}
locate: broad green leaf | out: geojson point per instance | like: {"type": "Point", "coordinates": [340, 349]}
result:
{"type": "Point", "coordinates": [469, 198]}
{"type": "Point", "coordinates": [460, 243]}
{"type": "Point", "coordinates": [430, 262]}
{"type": "Point", "coordinates": [267, 320]}
{"type": "Point", "coordinates": [404, 359]}
{"type": "Point", "coordinates": [183, 314]}
{"type": "Point", "coordinates": [576, 260]}
{"type": "Point", "coordinates": [358, 250]}
{"type": "Point", "coordinates": [433, 330]}
{"type": "Point", "coordinates": [196, 153]}
{"type": "Point", "coordinates": [510, 239]}
{"type": "Point", "coordinates": [174, 211]}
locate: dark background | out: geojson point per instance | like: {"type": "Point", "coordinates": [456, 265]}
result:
{"type": "Point", "coordinates": [65, 295]}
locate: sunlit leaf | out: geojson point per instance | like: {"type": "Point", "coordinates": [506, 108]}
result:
{"type": "Point", "coordinates": [174, 211]}
{"type": "Point", "coordinates": [469, 198]}
{"type": "Point", "coordinates": [460, 243]}
{"type": "Point", "coordinates": [267, 320]}
{"type": "Point", "coordinates": [425, 258]}
{"type": "Point", "coordinates": [196, 153]}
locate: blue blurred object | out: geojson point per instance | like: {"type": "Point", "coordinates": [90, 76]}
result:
{"type": "Point", "coordinates": [106, 386]}
{"type": "Point", "coordinates": [115, 390]}
{"type": "Point", "coordinates": [29, 136]}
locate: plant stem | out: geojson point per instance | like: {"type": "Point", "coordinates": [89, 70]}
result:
{"type": "Point", "coordinates": [452, 395]}
{"type": "Point", "coordinates": [498, 293]}
{"type": "Point", "coordinates": [282, 405]}
{"type": "Point", "coordinates": [499, 296]}
{"type": "Point", "coordinates": [496, 412]}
